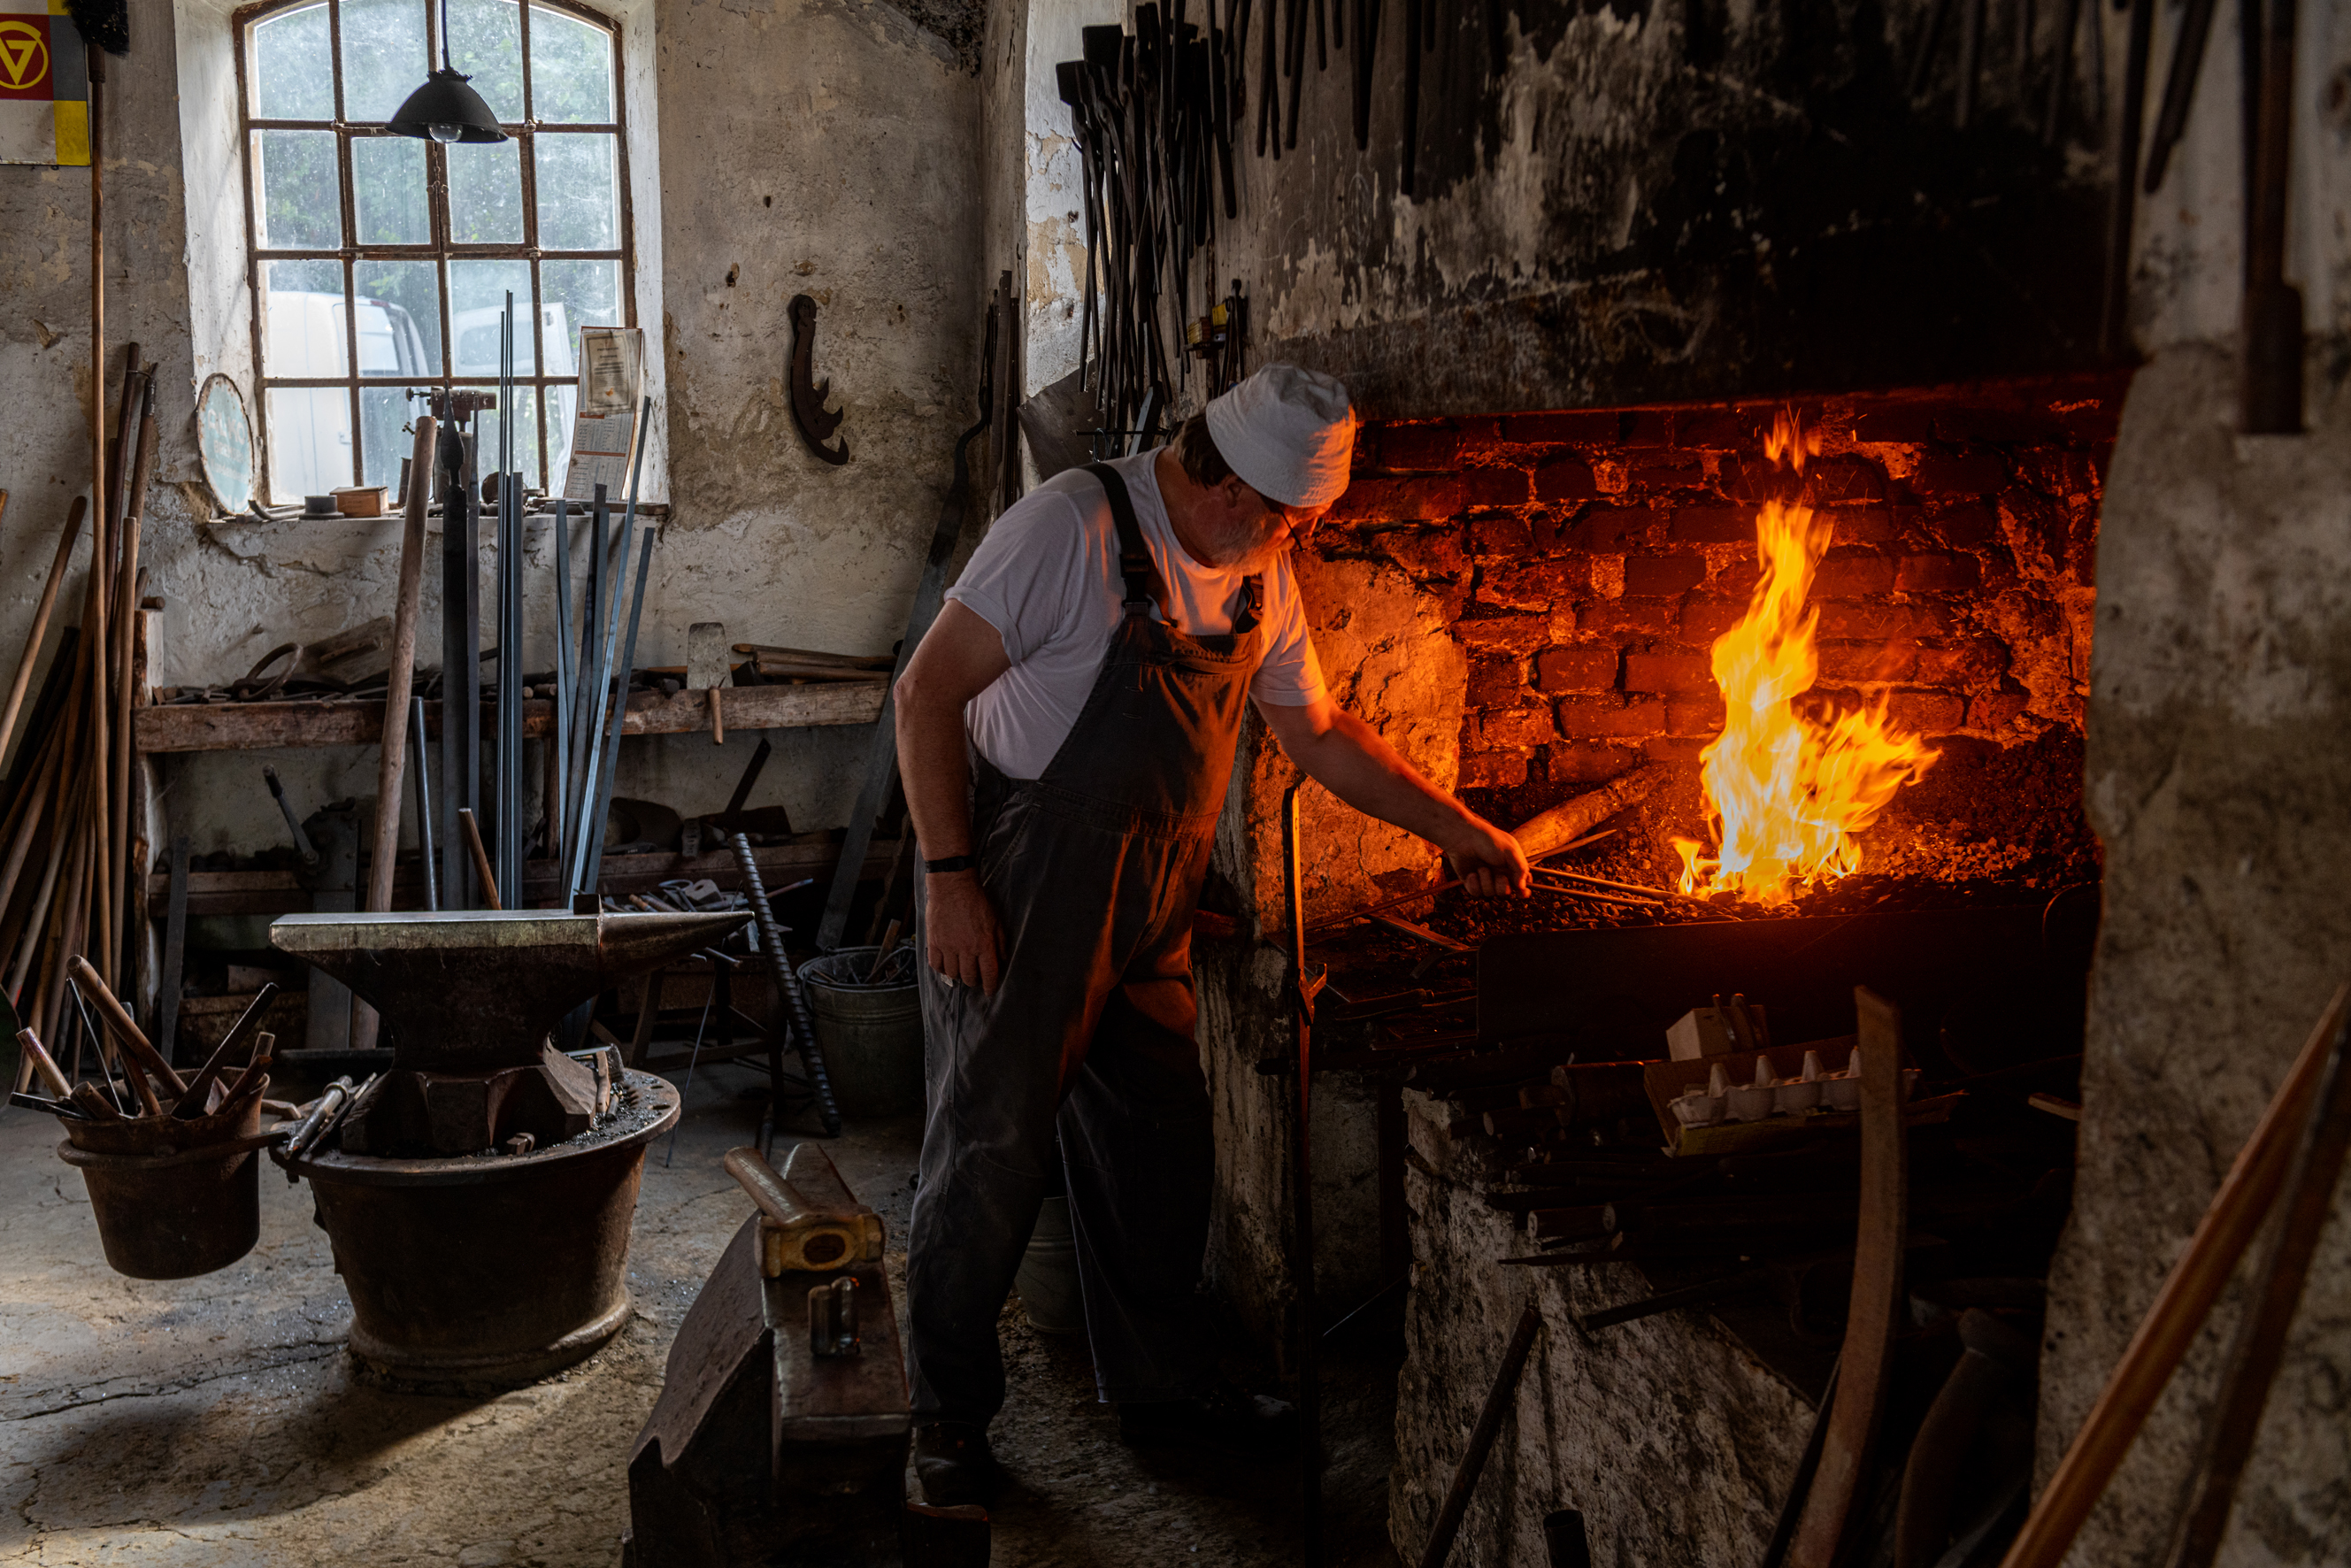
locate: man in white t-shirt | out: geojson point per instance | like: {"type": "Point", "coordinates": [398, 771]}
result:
{"type": "Point", "coordinates": [1066, 731]}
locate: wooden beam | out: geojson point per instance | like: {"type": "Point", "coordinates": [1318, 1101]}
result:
{"type": "Point", "coordinates": [255, 726]}
{"type": "Point", "coordinates": [277, 892]}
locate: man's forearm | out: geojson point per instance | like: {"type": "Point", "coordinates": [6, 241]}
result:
{"type": "Point", "coordinates": [1350, 761]}
{"type": "Point", "coordinates": [933, 762]}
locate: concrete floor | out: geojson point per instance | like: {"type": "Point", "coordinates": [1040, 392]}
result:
{"type": "Point", "coordinates": [218, 1421]}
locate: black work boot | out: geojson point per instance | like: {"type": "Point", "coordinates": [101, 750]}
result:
{"type": "Point", "coordinates": [1223, 1419]}
{"type": "Point", "coordinates": [953, 1462]}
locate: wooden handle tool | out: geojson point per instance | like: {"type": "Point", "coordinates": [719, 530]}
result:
{"type": "Point", "coordinates": [797, 1235]}
{"type": "Point", "coordinates": [118, 1016]}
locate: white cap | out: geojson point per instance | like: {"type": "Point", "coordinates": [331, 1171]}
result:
{"type": "Point", "coordinates": [1288, 433]}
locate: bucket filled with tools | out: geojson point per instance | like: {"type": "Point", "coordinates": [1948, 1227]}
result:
{"type": "Point", "coordinates": [173, 1201]}
{"type": "Point", "coordinates": [868, 1023]}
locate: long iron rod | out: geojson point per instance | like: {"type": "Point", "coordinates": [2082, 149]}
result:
{"type": "Point", "coordinates": [589, 856]}
{"type": "Point", "coordinates": [423, 802]}
{"type": "Point", "coordinates": [620, 712]}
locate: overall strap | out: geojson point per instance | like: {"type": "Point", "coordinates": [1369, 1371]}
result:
{"type": "Point", "coordinates": [1252, 605]}
{"type": "Point", "coordinates": [1144, 586]}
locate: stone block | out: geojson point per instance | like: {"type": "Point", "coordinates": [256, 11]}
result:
{"type": "Point", "coordinates": [1668, 470]}
{"type": "Point", "coordinates": [1675, 748]}
{"type": "Point", "coordinates": [1867, 662]}
{"type": "Point", "coordinates": [1966, 525]}
{"type": "Point", "coordinates": [1877, 622]}
{"type": "Point", "coordinates": [1427, 552]}
{"type": "Point", "coordinates": [1609, 717]}
{"type": "Point", "coordinates": [1853, 574]}
{"type": "Point", "coordinates": [1998, 427]}
{"type": "Point", "coordinates": [1584, 668]}
{"type": "Point", "coordinates": [1494, 486]}
{"type": "Point", "coordinates": [1495, 683]}
{"type": "Point", "coordinates": [1518, 635]}
{"type": "Point", "coordinates": [1606, 529]}
{"type": "Point", "coordinates": [1694, 716]}
{"type": "Point", "coordinates": [1513, 729]}
{"type": "Point", "coordinates": [1668, 673]}
{"type": "Point", "coordinates": [1531, 584]}
{"type": "Point", "coordinates": [1656, 575]}
{"type": "Point", "coordinates": [1720, 429]}
{"type": "Point", "coordinates": [1492, 770]}
{"type": "Point", "coordinates": [1379, 499]}
{"type": "Point", "coordinates": [1960, 474]}
{"type": "Point", "coordinates": [1565, 479]}
{"type": "Point", "coordinates": [1962, 663]}
{"type": "Point", "coordinates": [1863, 524]}
{"type": "Point", "coordinates": [1843, 478]}
{"type": "Point", "coordinates": [1927, 713]}
{"type": "Point", "coordinates": [1590, 763]}
{"type": "Point", "coordinates": [1627, 618]}
{"type": "Point", "coordinates": [1706, 618]}
{"type": "Point", "coordinates": [1577, 427]}
{"type": "Point", "coordinates": [1500, 537]}
{"type": "Point", "coordinates": [1937, 571]}
{"type": "Point", "coordinates": [1706, 525]}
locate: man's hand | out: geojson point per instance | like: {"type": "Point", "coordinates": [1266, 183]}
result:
{"type": "Point", "coordinates": [959, 923]}
{"type": "Point", "coordinates": [1487, 860]}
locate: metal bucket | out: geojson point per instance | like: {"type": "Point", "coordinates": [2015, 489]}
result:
{"type": "Point", "coordinates": [173, 1214]}
{"type": "Point", "coordinates": [871, 1035]}
{"type": "Point", "coordinates": [490, 1269]}
{"type": "Point", "coordinates": [1048, 1280]}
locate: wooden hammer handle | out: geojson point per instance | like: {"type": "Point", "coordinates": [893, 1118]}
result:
{"type": "Point", "coordinates": [118, 1016]}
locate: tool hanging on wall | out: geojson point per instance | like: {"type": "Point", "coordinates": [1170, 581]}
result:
{"type": "Point", "coordinates": [815, 422]}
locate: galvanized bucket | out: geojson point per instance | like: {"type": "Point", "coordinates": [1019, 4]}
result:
{"type": "Point", "coordinates": [871, 1036]}
{"type": "Point", "coordinates": [175, 1213]}
{"type": "Point", "coordinates": [1048, 1280]}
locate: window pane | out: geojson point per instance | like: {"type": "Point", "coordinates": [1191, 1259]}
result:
{"type": "Point", "coordinates": [561, 402]}
{"type": "Point", "coordinates": [579, 192]}
{"type": "Point", "coordinates": [293, 77]}
{"type": "Point", "coordinates": [399, 306]}
{"type": "Point", "coordinates": [301, 205]}
{"type": "Point", "coordinates": [388, 190]}
{"type": "Point", "coordinates": [384, 56]}
{"type": "Point", "coordinates": [576, 294]}
{"type": "Point", "coordinates": [309, 442]}
{"type": "Point", "coordinates": [486, 43]}
{"type": "Point", "coordinates": [303, 330]}
{"type": "Point", "coordinates": [485, 192]}
{"type": "Point", "coordinates": [477, 295]}
{"type": "Point", "coordinates": [525, 452]}
{"type": "Point", "coordinates": [571, 70]}
{"type": "Point", "coordinates": [386, 437]}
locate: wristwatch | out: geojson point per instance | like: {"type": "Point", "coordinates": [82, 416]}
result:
{"type": "Point", "coordinates": [946, 863]}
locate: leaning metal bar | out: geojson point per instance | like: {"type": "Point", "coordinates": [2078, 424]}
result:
{"type": "Point", "coordinates": [561, 738]}
{"type": "Point", "coordinates": [423, 802]}
{"type": "Point", "coordinates": [589, 856]}
{"type": "Point", "coordinates": [788, 982]}
{"type": "Point", "coordinates": [620, 711]}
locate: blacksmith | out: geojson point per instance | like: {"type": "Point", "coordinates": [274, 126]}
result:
{"type": "Point", "coordinates": [1066, 731]}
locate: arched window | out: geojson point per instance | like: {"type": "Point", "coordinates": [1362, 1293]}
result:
{"type": "Point", "coordinates": [380, 264]}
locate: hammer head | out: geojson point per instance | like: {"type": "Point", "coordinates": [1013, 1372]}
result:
{"type": "Point", "coordinates": [476, 991]}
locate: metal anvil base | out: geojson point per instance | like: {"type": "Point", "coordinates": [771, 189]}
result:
{"type": "Point", "coordinates": [417, 1113]}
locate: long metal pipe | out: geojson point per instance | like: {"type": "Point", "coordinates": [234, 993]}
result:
{"type": "Point", "coordinates": [561, 738]}
{"type": "Point", "coordinates": [423, 802]}
{"type": "Point", "coordinates": [589, 853]}
{"type": "Point", "coordinates": [587, 710]}
{"type": "Point", "coordinates": [620, 710]}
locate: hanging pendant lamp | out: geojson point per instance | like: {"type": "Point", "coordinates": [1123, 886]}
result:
{"type": "Point", "coordinates": [446, 108]}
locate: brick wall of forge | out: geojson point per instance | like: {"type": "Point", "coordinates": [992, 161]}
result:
{"type": "Point", "coordinates": [1589, 560]}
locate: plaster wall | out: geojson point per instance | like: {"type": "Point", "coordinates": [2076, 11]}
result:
{"type": "Point", "coordinates": [776, 149]}
{"type": "Point", "coordinates": [2219, 781]}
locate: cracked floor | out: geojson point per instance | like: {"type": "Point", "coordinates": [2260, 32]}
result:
{"type": "Point", "coordinates": [216, 1422]}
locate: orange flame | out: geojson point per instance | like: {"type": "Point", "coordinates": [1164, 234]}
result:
{"type": "Point", "coordinates": [1786, 790]}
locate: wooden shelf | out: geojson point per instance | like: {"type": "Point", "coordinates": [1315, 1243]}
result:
{"type": "Point", "coordinates": [277, 892]}
{"type": "Point", "coordinates": [242, 727]}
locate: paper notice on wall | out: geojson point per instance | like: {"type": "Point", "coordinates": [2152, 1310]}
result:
{"type": "Point", "coordinates": [604, 430]}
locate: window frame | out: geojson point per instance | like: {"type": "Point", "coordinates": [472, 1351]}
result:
{"type": "Point", "coordinates": [440, 249]}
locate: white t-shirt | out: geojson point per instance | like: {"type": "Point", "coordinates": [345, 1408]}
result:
{"type": "Point", "coordinates": [1046, 576]}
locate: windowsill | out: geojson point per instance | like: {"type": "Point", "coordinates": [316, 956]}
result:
{"type": "Point", "coordinates": [658, 511]}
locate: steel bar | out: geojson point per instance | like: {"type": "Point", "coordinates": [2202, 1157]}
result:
{"type": "Point", "coordinates": [597, 787]}
{"type": "Point", "coordinates": [587, 678]}
{"type": "Point", "coordinates": [461, 658]}
{"type": "Point", "coordinates": [559, 743]}
{"type": "Point", "coordinates": [620, 710]}
{"type": "Point", "coordinates": [788, 982]}
{"type": "Point", "coordinates": [2114, 317]}
{"type": "Point", "coordinates": [175, 952]}
{"type": "Point", "coordinates": [1302, 1149]}
{"type": "Point", "coordinates": [424, 803]}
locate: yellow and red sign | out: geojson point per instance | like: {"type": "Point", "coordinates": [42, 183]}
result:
{"type": "Point", "coordinates": [44, 88]}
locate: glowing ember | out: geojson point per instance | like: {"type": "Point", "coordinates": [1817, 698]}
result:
{"type": "Point", "coordinates": [1786, 790]}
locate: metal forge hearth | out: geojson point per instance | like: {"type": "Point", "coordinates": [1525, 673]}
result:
{"type": "Point", "coordinates": [478, 1195]}
{"type": "Point", "coordinates": [1541, 609]}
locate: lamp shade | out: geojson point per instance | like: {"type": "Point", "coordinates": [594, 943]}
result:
{"type": "Point", "coordinates": [446, 109]}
